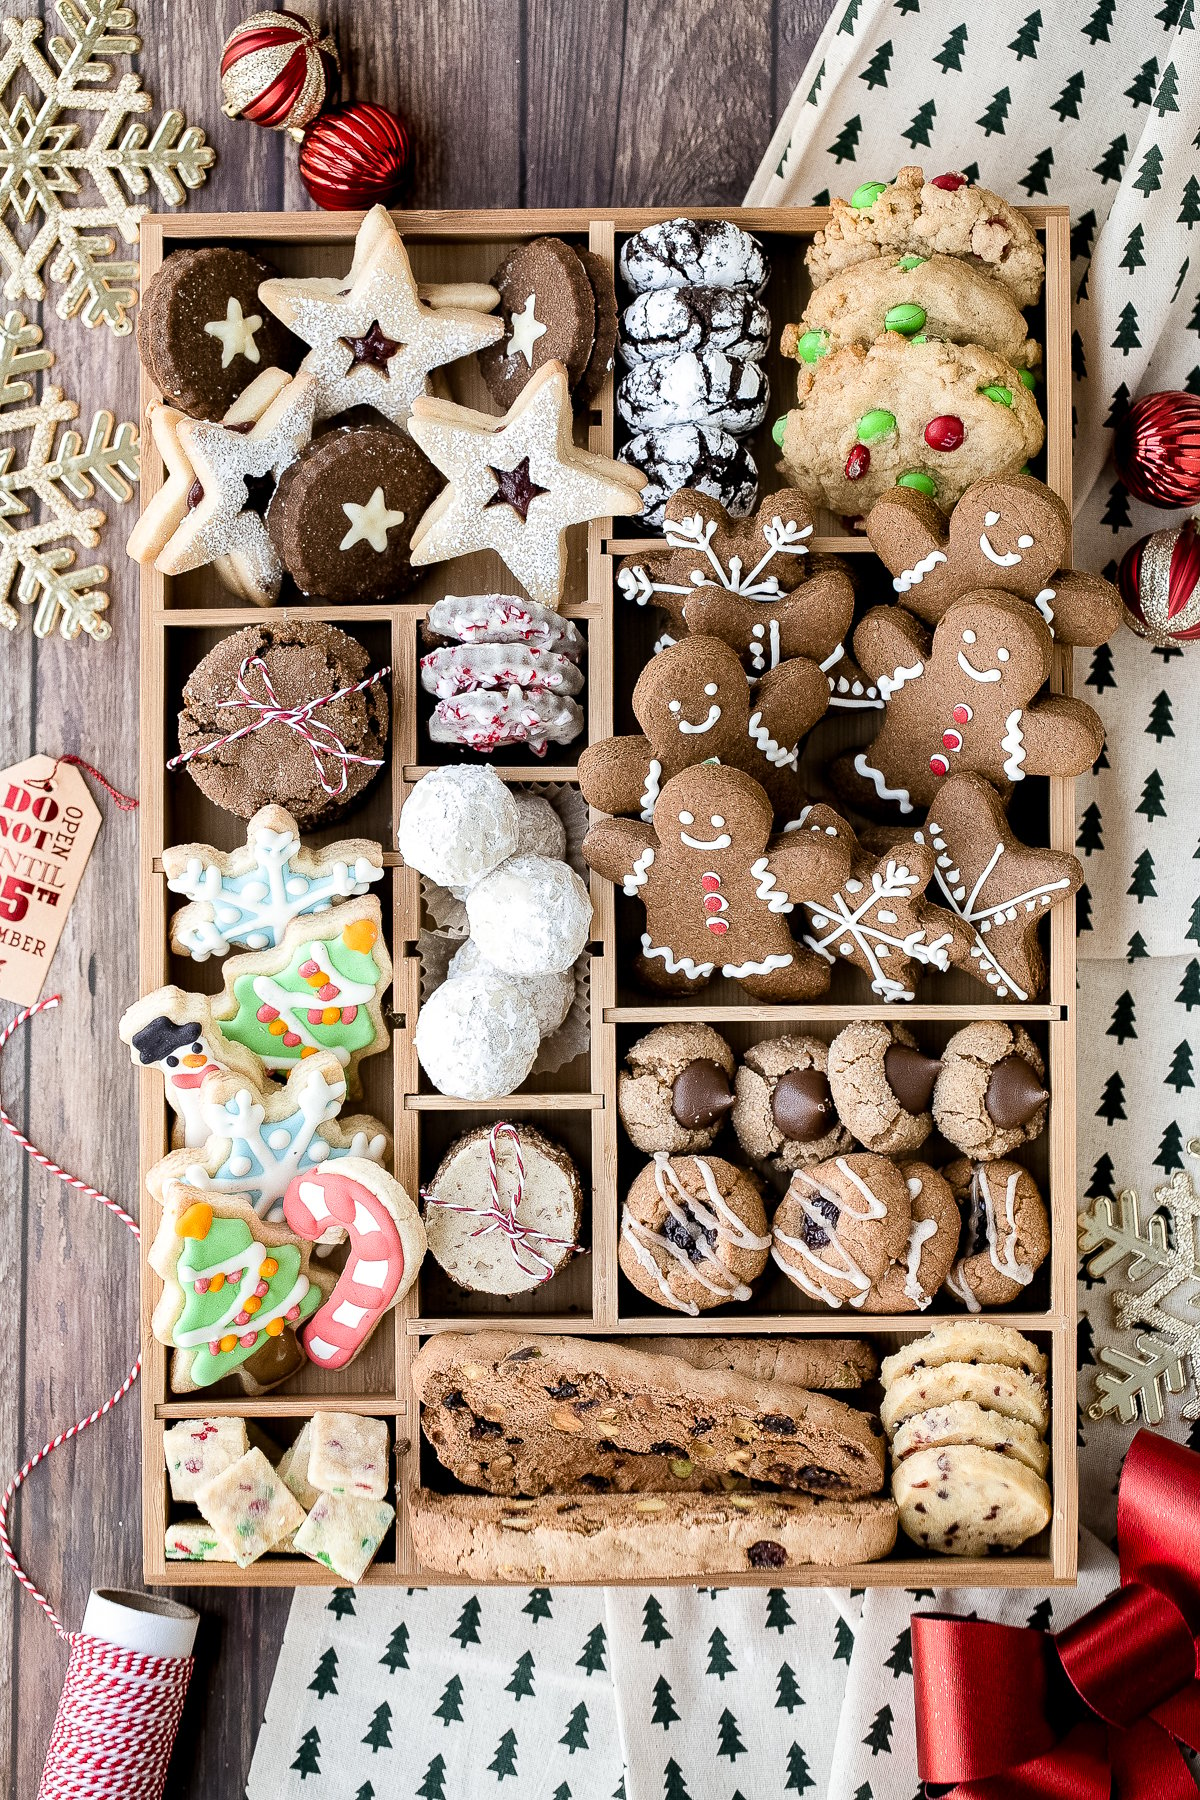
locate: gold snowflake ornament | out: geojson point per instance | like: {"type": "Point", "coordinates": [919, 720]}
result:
{"type": "Point", "coordinates": [45, 159]}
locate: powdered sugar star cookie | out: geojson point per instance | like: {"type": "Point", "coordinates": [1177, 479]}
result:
{"type": "Point", "coordinates": [373, 339]}
{"type": "Point", "coordinates": [516, 483]}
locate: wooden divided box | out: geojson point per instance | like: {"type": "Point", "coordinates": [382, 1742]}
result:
{"type": "Point", "coordinates": [182, 618]}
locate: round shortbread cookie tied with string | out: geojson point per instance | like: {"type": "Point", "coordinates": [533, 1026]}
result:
{"type": "Point", "coordinates": [504, 1211]}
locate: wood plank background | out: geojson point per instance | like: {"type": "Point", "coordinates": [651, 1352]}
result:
{"type": "Point", "coordinates": [511, 103]}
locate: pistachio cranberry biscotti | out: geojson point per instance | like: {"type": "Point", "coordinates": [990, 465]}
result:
{"type": "Point", "coordinates": [820, 1363]}
{"type": "Point", "coordinates": [627, 1400]}
{"type": "Point", "coordinates": [617, 1537]}
{"type": "Point", "coordinates": [482, 1454]}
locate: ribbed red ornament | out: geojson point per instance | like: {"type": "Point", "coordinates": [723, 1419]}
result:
{"type": "Point", "coordinates": [1159, 579]}
{"type": "Point", "coordinates": [278, 70]}
{"type": "Point", "coordinates": [354, 156]}
{"type": "Point", "coordinates": [1157, 449]}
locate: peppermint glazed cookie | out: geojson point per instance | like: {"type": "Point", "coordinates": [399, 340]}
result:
{"type": "Point", "coordinates": [841, 1226]}
{"type": "Point", "coordinates": [676, 1088]}
{"type": "Point", "coordinates": [784, 1113]}
{"type": "Point", "coordinates": [693, 1233]}
{"type": "Point", "coordinates": [1005, 1232]}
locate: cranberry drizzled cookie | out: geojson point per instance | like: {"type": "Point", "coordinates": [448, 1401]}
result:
{"type": "Point", "coordinates": [693, 1232]}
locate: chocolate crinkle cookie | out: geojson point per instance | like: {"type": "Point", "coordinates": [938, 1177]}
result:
{"type": "Point", "coordinates": [693, 253]}
{"type": "Point", "coordinates": [343, 515]}
{"type": "Point", "coordinates": [784, 1114]}
{"type": "Point", "coordinates": [990, 1098]}
{"type": "Point", "coordinates": [203, 334]}
{"type": "Point", "coordinates": [676, 1088]}
{"type": "Point", "coordinates": [665, 321]}
{"type": "Point", "coordinates": [702, 457]}
{"type": "Point", "coordinates": [317, 772]}
{"type": "Point", "coordinates": [882, 1085]}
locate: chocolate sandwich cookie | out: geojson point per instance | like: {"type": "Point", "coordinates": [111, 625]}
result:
{"type": "Point", "coordinates": [343, 514]}
{"type": "Point", "coordinates": [698, 387]}
{"type": "Point", "coordinates": [203, 334]}
{"type": "Point", "coordinates": [549, 314]}
{"type": "Point", "coordinates": [693, 253]}
{"type": "Point", "coordinates": [666, 321]}
{"type": "Point", "coordinates": [604, 348]}
{"type": "Point", "coordinates": [702, 457]}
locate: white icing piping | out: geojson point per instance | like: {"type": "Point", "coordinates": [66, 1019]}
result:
{"type": "Point", "coordinates": [651, 790]}
{"type": "Point", "coordinates": [768, 890]}
{"type": "Point", "coordinates": [910, 578]}
{"type": "Point", "coordinates": [922, 1231]}
{"type": "Point", "coordinates": [900, 795]}
{"type": "Point", "coordinates": [637, 876]}
{"type": "Point", "coordinates": [774, 752]}
{"type": "Point", "coordinates": [1014, 742]}
{"type": "Point", "coordinates": [968, 668]}
{"type": "Point", "coordinates": [1042, 602]}
{"type": "Point", "coordinates": [677, 965]}
{"type": "Point", "coordinates": [891, 684]}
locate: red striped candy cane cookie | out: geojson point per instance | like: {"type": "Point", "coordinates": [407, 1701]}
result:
{"type": "Point", "coordinates": [387, 1243]}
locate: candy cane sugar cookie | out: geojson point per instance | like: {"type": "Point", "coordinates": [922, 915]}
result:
{"type": "Point", "coordinates": [693, 1232]}
{"type": "Point", "coordinates": [387, 1244]}
{"type": "Point", "coordinates": [234, 1289]}
{"type": "Point", "coordinates": [840, 1227]}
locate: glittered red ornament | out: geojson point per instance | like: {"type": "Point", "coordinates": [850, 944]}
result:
{"type": "Point", "coordinates": [278, 70]}
{"type": "Point", "coordinates": [354, 156]}
{"type": "Point", "coordinates": [1160, 585]}
{"type": "Point", "coordinates": [1157, 449]}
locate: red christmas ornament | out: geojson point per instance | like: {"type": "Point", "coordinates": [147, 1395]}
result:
{"type": "Point", "coordinates": [278, 70]}
{"type": "Point", "coordinates": [354, 156]}
{"type": "Point", "coordinates": [1159, 580]}
{"type": "Point", "coordinates": [1157, 449]}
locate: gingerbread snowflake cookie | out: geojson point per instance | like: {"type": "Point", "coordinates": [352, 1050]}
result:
{"type": "Point", "coordinates": [1005, 1232]}
{"type": "Point", "coordinates": [715, 898]}
{"type": "Point", "coordinates": [990, 1098]}
{"type": "Point", "coordinates": [693, 1233]}
{"type": "Point", "coordinates": [202, 332]}
{"type": "Point", "coordinates": [923, 414]}
{"type": "Point", "coordinates": [783, 1113]}
{"type": "Point", "coordinates": [695, 705]}
{"type": "Point", "coordinates": [749, 581]}
{"type": "Point", "coordinates": [948, 215]}
{"type": "Point", "coordinates": [676, 1088]}
{"type": "Point", "coordinates": [840, 1227]}
{"type": "Point", "coordinates": [882, 1085]}
{"type": "Point", "coordinates": [1009, 532]}
{"type": "Point", "coordinates": [967, 700]}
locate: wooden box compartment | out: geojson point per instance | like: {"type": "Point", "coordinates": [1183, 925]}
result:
{"type": "Point", "coordinates": [182, 619]}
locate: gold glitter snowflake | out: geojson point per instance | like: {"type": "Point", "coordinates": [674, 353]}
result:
{"type": "Point", "coordinates": [60, 468]}
{"type": "Point", "coordinates": [43, 161]}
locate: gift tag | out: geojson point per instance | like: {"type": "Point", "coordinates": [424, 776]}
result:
{"type": "Point", "coordinates": [48, 824]}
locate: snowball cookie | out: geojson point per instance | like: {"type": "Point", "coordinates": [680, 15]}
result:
{"type": "Point", "coordinates": [989, 1098]}
{"type": "Point", "coordinates": [882, 1085]}
{"type": "Point", "coordinates": [546, 1204]}
{"type": "Point", "coordinates": [531, 914]}
{"type": "Point", "coordinates": [541, 831]}
{"type": "Point", "coordinates": [693, 1232]}
{"type": "Point", "coordinates": [784, 1113]}
{"type": "Point", "coordinates": [676, 1088]}
{"type": "Point", "coordinates": [1005, 1232]}
{"type": "Point", "coordinates": [457, 824]}
{"type": "Point", "coordinates": [916, 1275]}
{"type": "Point", "coordinates": [477, 1038]}
{"type": "Point", "coordinates": [551, 995]}
{"type": "Point", "coordinates": [840, 1227]}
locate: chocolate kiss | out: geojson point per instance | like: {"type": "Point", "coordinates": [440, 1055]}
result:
{"type": "Point", "coordinates": [911, 1076]}
{"type": "Point", "coordinates": [802, 1105]}
{"type": "Point", "coordinates": [1014, 1093]}
{"type": "Point", "coordinates": [701, 1094]}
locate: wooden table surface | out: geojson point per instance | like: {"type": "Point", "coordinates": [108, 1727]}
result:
{"type": "Point", "coordinates": [511, 103]}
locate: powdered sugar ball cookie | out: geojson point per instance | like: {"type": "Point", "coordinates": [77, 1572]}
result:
{"type": "Point", "coordinates": [1005, 1232]}
{"type": "Point", "coordinates": [882, 1085]}
{"type": "Point", "coordinates": [542, 832]}
{"type": "Point", "coordinates": [989, 1098]}
{"type": "Point", "coordinates": [477, 1038]}
{"type": "Point", "coordinates": [693, 253]}
{"type": "Point", "coordinates": [916, 1275]}
{"type": "Point", "coordinates": [551, 994]}
{"type": "Point", "coordinates": [693, 1233]}
{"type": "Point", "coordinates": [840, 1227]}
{"type": "Point", "coordinates": [531, 914]}
{"type": "Point", "coordinates": [457, 824]}
{"type": "Point", "coordinates": [784, 1113]}
{"type": "Point", "coordinates": [676, 1088]}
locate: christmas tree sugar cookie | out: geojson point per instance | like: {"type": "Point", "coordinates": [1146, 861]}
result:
{"type": "Point", "coordinates": [235, 1291]}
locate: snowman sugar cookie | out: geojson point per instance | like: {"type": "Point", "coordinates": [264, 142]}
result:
{"type": "Point", "coordinates": [965, 701]}
{"type": "Point", "coordinates": [174, 1032]}
{"type": "Point", "coordinates": [717, 902]}
{"type": "Point", "coordinates": [1009, 532]}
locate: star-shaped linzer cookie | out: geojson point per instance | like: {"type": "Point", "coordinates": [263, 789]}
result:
{"type": "Point", "coordinates": [516, 483]}
{"type": "Point", "coordinates": [373, 339]}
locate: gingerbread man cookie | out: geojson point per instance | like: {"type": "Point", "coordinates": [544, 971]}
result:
{"type": "Point", "coordinates": [966, 701]}
{"type": "Point", "coordinates": [1008, 532]}
{"type": "Point", "coordinates": [715, 900]}
{"type": "Point", "coordinates": [749, 581]}
{"type": "Point", "coordinates": [694, 704]}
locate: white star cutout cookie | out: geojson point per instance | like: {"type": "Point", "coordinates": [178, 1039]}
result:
{"type": "Point", "coordinates": [233, 467]}
{"type": "Point", "coordinates": [516, 483]}
{"type": "Point", "coordinates": [373, 339]}
{"type": "Point", "coordinates": [236, 332]}
{"type": "Point", "coordinates": [526, 330]}
{"type": "Point", "coordinates": [370, 523]}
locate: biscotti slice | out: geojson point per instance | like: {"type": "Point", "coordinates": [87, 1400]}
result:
{"type": "Point", "coordinates": [590, 1389]}
{"type": "Point", "coordinates": [533, 1462]}
{"type": "Point", "coordinates": [965, 1340]}
{"type": "Point", "coordinates": [614, 1537]}
{"type": "Point", "coordinates": [818, 1363]}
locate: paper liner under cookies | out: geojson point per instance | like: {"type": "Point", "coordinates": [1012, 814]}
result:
{"type": "Point", "coordinates": [449, 914]}
{"type": "Point", "coordinates": [574, 1035]}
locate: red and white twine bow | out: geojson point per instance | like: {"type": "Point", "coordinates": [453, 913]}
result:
{"type": "Point", "coordinates": [501, 1216]}
{"type": "Point", "coordinates": [322, 740]}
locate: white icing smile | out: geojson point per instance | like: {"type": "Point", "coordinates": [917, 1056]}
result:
{"type": "Point", "coordinates": [721, 842]}
{"type": "Point", "coordinates": [685, 725]}
{"type": "Point", "coordinates": [1003, 560]}
{"type": "Point", "coordinates": [968, 668]}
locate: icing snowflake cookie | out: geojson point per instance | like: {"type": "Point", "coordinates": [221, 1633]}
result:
{"type": "Point", "coordinates": [516, 484]}
{"type": "Point", "coordinates": [693, 1233]}
{"type": "Point", "coordinates": [202, 334]}
{"type": "Point", "coordinates": [923, 414]}
{"type": "Point", "coordinates": [967, 700]}
{"type": "Point", "coordinates": [373, 340]}
{"type": "Point", "coordinates": [1007, 532]}
{"type": "Point", "coordinates": [249, 896]}
{"type": "Point", "coordinates": [1005, 1232]}
{"type": "Point", "coordinates": [387, 1245]}
{"type": "Point", "coordinates": [175, 1033]}
{"type": "Point", "coordinates": [715, 899]}
{"type": "Point", "coordinates": [235, 1290]}
{"type": "Point", "coordinates": [749, 581]}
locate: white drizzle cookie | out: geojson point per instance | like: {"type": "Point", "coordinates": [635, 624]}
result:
{"type": "Point", "coordinates": [1006, 1232]}
{"type": "Point", "coordinates": [913, 1279]}
{"type": "Point", "coordinates": [693, 1233]}
{"type": "Point", "coordinates": [841, 1225]}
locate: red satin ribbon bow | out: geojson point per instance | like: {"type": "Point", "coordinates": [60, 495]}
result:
{"type": "Point", "coordinates": [1006, 1713]}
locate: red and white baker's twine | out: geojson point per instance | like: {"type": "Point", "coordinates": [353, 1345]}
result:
{"type": "Point", "coordinates": [321, 739]}
{"type": "Point", "coordinates": [502, 1218]}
